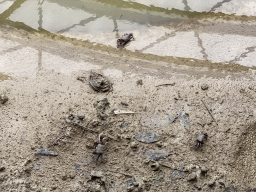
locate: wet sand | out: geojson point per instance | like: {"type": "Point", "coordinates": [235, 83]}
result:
{"type": "Point", "coordinates": [43, 93]}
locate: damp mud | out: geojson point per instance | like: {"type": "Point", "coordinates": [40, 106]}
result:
{"type": "Point", "coordinates": [174, 110]}
{"type": "Point", "coordinates": [168, 102]}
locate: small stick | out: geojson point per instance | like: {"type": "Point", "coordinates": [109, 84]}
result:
{"type": "Point", "coordinates": [209, 112]}
{"type": "Point", "coordinates": [165, 84]}
{"type": "Point", "coordinates": [165, 166]}
{"type": "Point", "coordinates": [121, 173]}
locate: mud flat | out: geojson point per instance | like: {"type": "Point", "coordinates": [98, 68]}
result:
{"type": "Point", "coordinates": [152, 147]}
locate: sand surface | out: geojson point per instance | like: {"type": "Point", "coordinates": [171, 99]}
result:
{"type": "Point", "coordinates": [174, 102]}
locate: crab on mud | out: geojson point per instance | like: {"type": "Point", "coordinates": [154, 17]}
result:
{"type": "Point", "coordinates": [100, 148]}
{"type": "Point", "coordinates": [124, 39]}
{"type": "Point", "coordinates": [200, 139]}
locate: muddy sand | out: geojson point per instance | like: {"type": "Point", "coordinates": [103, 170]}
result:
{"type": "Point", "coordinates": [152, 149]}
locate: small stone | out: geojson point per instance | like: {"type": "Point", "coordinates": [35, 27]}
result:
{"type": "Point", "coordinates": [81, 117]}
{"type": "Point", "coordinates": [134, 145]}
{"type": "Point", "coordinates": [124, 103]}
{"type": "Point", "coordinates": [54, 187]}
{"type": "Point", "coordinates": [139, 82]}
{"type": "Point", "coordinates": [159, 144]}
{"type": "Point", "coordinates": [189, 168]}
{"type": "Point", "coordinates": [3, 98]}
{"type": "Point", "coordinates": [2, 169]}
{"type": "Point", "coordinates": [72, 175]}
{"type": "Point", "coordinates": [204, 86]}
{"type": "Point", "coordinates": [95, 123]}
{"type": "Point", "coordinates": [64, 177]}
{"type": "Point", "coordinates": [211, 183]}
{"type": "Point", "coordinates": [96, 174]}
{"type": "Point", "coordinates": [192, 176]}
{"type": "Point", "coordinates": [204, 169]}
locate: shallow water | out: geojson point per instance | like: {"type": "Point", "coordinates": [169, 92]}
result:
{"type": "Point", "coordinates": [97, 16]}
{"type": "Point", "coordinates": [104, 21]}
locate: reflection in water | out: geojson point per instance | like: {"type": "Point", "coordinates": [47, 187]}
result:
{"type": "Point", "coordinates": [82, 23]}
{"type": "Point", "coordinates": [61, 16]}
{"type": "Point", "coordinates": [186, 8]}
{"type": "Point", "coordinates": [40, 13]}
{"type": "Point", "coordinates": [219, 5]}
{"type": "Point", "coordinates": [102, 22]}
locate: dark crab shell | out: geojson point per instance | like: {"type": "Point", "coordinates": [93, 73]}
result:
{"type": "Point", "coordinates": [124, 39]}
{"type": "Point", "coordinates": [99, 82]}
{"type": "Point", "coordinates": [127, 37]}
{"type": "Point", "coordinates": [201, 138]}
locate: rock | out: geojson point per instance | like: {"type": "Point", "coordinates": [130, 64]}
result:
{"type": "Point", "coordinates": [211, 182]}
{"type": "Point", "coordinates": [2, 169]}
{"type": "Point", "coordinates": [95, 123]}
{"type": "Point", "coordinates": [97, 174]}
{"type": "Point", "coordinates": [189, 168]}
{"type": "Point", "coordinates": [80, 116]}
{"type": "Point", "coordinates": [204, 86]}
{"type": "Point", "coordinates": [64, 177]}
{"type": "Point", "coordinates": [139, 82]}
{"type": "Point", "coordinates": [134, 145]}
{"type": "Point", "coordinates": [159, 144]}
{"type": "Point", "coordinates": [192, 176]}
{"type": "Point", "coordinates": [102, 107]}
{"type": "Point", "coordinates": [3, 98]}
{"type": "Point", "coordinates": [229, 186]}
{"type": "Point", "coordinates": [124, 103]}
{"type": "Point", "coordinates": [204, 170]}
{"type": "Point", "coordinates": [155, 166]}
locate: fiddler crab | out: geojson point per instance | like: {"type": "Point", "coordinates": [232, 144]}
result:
{"type": "Point", "coordinates": [100, 148]}
{"type": "Point", "coordinates": [201, 138]}
{"type": "Point", "coordinates": [124, 39]}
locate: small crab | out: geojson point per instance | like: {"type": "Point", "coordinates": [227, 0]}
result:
{"type": "Point", "coordinates": [99, 83]}
{"type": "Point", "coordinates": [125, 39]}
{"type": "Point", "coordinates": [100, 148]}
{"type": "Point", "coordinates": [200, 139]}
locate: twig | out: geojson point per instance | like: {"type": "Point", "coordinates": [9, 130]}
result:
{"type": "Point", "coordinates": [166, 166]}
{"type": "Point", "coordinates": [120, 173]}
{"type": "Point", "coordinates": [165, 84]}
{"type": "Point", "coordinates": [209, 112]}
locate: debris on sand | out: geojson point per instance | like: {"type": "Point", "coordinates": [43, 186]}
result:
{"type": "Point", "coordinates": [147, 137]}
{"type": "Point", "coordinates": [99, 82]}
{"type": "Point", "coordinates": [3, 98]}
{"type": "Point", "coordinates": [136, 184]}
{"type": "Point", "coordinates": [117, 111]}
{"type": "Point", "coordinates": [192, 176]}
{"type": "Point", "coordinates": [124, 103]}
{"type": "Point", "coordinates": [45, 153]}
{"type": "Point", "coordinates": [102, 108]}
{"type": "Point", "coordinates": [83, 79]}
{"type": "Point", "coordinates": [155, 155]}
{"type": "Point", "coordinates": [204, 86]}
{"type": "Point", "coordinates": [139, 82]}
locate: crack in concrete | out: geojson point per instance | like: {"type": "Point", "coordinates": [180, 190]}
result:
{"type": "Point", "coordinates": [163, 38]}
{"type": "Point", "coordinates": [200, 44]}
{"type": "Point", "coordinates": [243, 55]}
{"type": "Point", "coordinates": [219, 4]}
